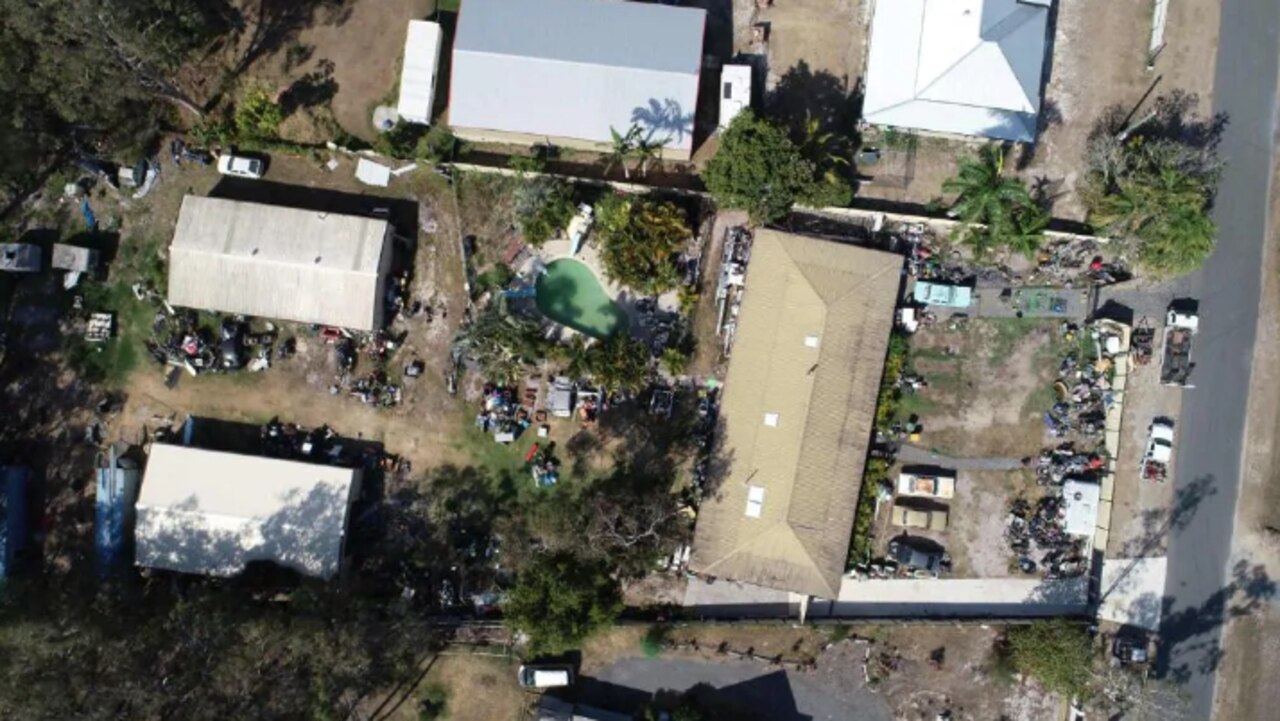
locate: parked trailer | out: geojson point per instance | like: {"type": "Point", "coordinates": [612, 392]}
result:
{"type": "Point", "coordinates": [1179, 333]}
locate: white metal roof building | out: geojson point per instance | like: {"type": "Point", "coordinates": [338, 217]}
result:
{"type": "Point", "coordinates": [211, 513]}
{"type": "Point", "coordinates": [1080, 506]}
{"type": "Point", "coordinates": [418, 72]}
{"type": "Point", "coordinates": [967, 67]}
{"type": "Point", "coordinates": [735, 92]}
{"type": "Point", "coordinates": [565, 71]}
{"type": "Point", "coordinates": [276, 262]}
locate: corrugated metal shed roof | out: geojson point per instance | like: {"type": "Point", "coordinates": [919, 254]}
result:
{"type": "Point", "coordinates": [574, 68]}
{"type": "Point", "coordinates": [276, 262]}
{"type": "Point", "coordinates": [211, 513]}
{"type": "Point", "coordinates": [799, 404]}
{"type": "Point", "coordinates": [418, 72]}
{"type": "Point", "coordinates": [970, 67]}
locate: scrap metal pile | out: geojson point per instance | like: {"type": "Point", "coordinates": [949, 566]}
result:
{"type": "Point", "coordinates": [1065, 262]}
{"type": "Point", "coordinates": [372, 387]}
{"type": "Point", "coordinates": [704, 433]}
{"type": "Point", "coordinates": [729, 289]}
{"type": "Point", "coordinates": [1083, 394]}
{"type": "Point", "coordinates": [502, 415]}
{"type": "Point", "coordinates": [1056, 465]}
{"type": "Point", "coordinates": [660, 327]}
{"type": "Point", "coordinates": [179, 339]}
{"type": "Point", "coordinates": [1037, 537]}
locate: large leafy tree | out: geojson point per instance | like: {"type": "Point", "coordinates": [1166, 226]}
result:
{"type": "Point", "coordinates": [92, 74]}
{"type": "Point", "coordinates": [640, 241]}
{"type": "Point", "coordinates": [1157, 191]}
{"type": "Point", "coordinates": [560, 598]}
{"type": "Point", "coordinates": [216, 652]}
{"type": "Point", "coordinates": [996, 211]}
{"type": "Point", "coordinates": [759, 169]}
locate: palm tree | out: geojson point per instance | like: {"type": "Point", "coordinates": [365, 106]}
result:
{"type": "Point", "coordinates": [647, 150]}
{"type": "Point", "coordinates": [1028, 232]}
{"type": "Point", "coordinates": [624, 148]}
{"type": "Point", "coordinates": [985, 197]}
{"type": "Point", "coordinates": [1138, 202]}
{"type": "Point", "coordinates": [824, 149]}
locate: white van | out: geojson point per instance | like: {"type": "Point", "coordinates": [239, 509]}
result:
{"type": "Point", "coordinates": [544, 676]}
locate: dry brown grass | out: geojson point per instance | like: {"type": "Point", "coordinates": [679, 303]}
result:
{"type": "Point", "coordinates": [479, 688]}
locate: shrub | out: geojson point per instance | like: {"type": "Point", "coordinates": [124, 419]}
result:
{"type": "Point", "coordinates": [1056, 652]}
{"type": "Point", "coordinates": [543, 207]}
{"type": "Point", "coordinates": [257, 115]}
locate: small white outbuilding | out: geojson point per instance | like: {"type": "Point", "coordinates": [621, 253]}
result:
{"type": "Point", "coordinates": [418, 72]}
{"type": "Point", "coordinates": [1080, 501]}
{"type": "Point", "coordinates": [735, 92]}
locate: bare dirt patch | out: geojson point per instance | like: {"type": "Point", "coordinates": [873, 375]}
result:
{"type": "Point", "coordinates": [978, 514]}
{"type": "Point", "coordinates": [965, 681]}
{"type": "Point", "coordinates": [989, 382]}
{"type": "Point", "coordinates": [351, 50]}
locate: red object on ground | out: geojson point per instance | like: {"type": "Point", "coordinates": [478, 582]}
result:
{"type": "Point", "coordinates": [1096, 264]}
{"type": "Point", "coordinates": [529, 456]}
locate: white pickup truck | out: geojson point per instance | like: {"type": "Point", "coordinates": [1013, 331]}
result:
{"type": "Point", "coordinates": [1159, 452]}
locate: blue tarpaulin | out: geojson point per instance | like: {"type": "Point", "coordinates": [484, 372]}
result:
{"type": "Point", "coordinates": [113, 513]}
{"type": "Point", "coordinates": [13, 515]}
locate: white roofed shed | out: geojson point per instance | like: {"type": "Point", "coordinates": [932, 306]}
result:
{"type": "Point", "coordinates": [1080, 506]}
{"type": "Point", "coordinates": [418, 72]}
{"type": "Point", "coordinates": [276, 262]}
{"type": "Point", "coordinates": [211, 513]}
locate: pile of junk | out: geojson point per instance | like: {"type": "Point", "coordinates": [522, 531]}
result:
{"type": "Point", "coordinates": [1055, 465]}
{"type": "Point", "coordinates": [372, 387]}
{"type": "Point", "coordinates": [1083, 393]}
{"type": "Point", "coordinates": [1039, 540]}
{"type": "Point", "coordinates": [179, 340]}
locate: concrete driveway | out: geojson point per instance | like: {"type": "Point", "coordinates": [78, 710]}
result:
{"type": "Point", "coordinates": [765, 692]}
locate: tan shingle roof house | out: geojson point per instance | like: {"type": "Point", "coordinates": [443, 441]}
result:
{"type": "Point", "coordinates": [797, 413]}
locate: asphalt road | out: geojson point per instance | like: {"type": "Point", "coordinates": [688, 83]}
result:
{"type": "Point", "coordinates": [1210, 439]}
{"type": "Point", "coordinates": [767, 691]}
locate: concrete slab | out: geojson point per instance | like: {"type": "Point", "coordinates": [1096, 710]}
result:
{"type": "Point", "coordinates": [1133, 591]}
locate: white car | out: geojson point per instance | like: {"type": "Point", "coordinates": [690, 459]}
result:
{"type": "Point", "coordinates": [240, 166]}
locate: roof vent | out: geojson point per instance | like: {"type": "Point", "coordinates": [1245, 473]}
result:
{"type": "Point", "coordinates": [811, 341]}
{"type": "Point", "coordinates": [771, 420]}
{"type": "Point", "coordinates": [755, 501]}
